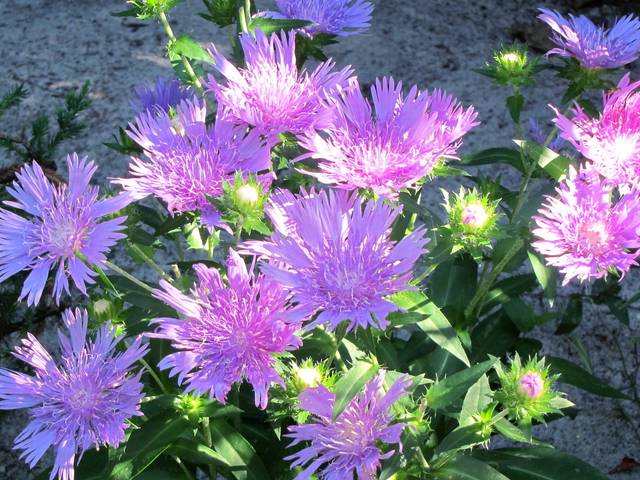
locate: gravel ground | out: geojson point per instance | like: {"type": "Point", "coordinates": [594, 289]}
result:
{"type": "Point", "coordinates": [54, 45]}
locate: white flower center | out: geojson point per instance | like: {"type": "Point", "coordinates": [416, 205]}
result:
{"type": "Point", "coordinates": [248, 194]}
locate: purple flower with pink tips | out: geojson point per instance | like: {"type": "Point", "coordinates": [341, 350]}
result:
{"type": "Point", "coordinates": [187, 161]}
{"type": "Point", "coordinates": [229, 333]}
{"type": "Point", "coordinates": [595, 47]}
{"type": "Point", "coordinates": [350, 444]}
{"type": "Point", "coordinates": [334, 17]}
{"type": "Point", "coordinates": [391, 148]}
{"type": "Point", "coordinates": [270, 93]}
{"type": "Point", "coordinates": [332, 251]}
{"type": "Point", "coordinates": [62, 230]}
{"type": "Point", "coordinates": [584, 232]}
{"type": "Point", "coordinates": [83, 401]}
{"type": "Point", "coordinates": [610, 142]}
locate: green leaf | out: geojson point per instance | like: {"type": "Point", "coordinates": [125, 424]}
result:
{"type": "Point", "coordinates": [463, 467]}
{"type": "Point", "coordinates": [515, 104]}
{"type": "Point", "coordinates": [352, 383]}
{"type": "Point", "coordinates": [508, 156]}
{"type": "Point", "coordinates": [578, 377]}
{"type": "Point", "coordinates": [538, 463]}
{"type": "Point", "coordinates": [270, 25]}
{"type": "Point", "coordinates": [521, 314]}
{"type": "Point", "coordinates": [156, 433]}
{"type": "Point", "coordinates": [444, 392]}
{"type": "Point", "coordinates": [460, 438]}
{"type": "Point", "coordinates": [510, 431]}
{"type": "Point", "coordinates": [238, 452]}
{"type": "Point", "coordinates": [186, 46]}
{"type": "Point", "coordinates": [508, 288]}
{"type": "Point", "coordinates": [546, 275]}
{"type": "Point", "coordinates": [571, 315]}
{"type": "Point", "coordinates": [551, 162]}
{"type": "Point", "coordinates": [436, 325]}
{"type": "Point", "coordinates": [477, 399]}
{"type": "Point", "coordinates": [195, 452]}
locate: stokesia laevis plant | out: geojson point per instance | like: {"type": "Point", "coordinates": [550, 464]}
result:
{"type": "Point", "coordinates": [306, 312]}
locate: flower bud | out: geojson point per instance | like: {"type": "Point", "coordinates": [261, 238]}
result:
{"type": "Point", "coordinates": [531, 384]}
{"type": "Point", "coordinates": [511, 66]}
{"type": "Point", "coordinates": [474, 215]}
{"type": "Point", "coordinates": [248, 194]}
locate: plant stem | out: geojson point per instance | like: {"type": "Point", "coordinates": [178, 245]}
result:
{"type": "Point", "coordinates": [206, 432]}
{"type": "Point", "coordinates": [477, 301]}
{"type": "Point", "coordinates": [127, 275]}
{"type": "Point", "coordinates": [149, 261]}
{"type": "Point", "coordinates": [183, 468]}
{"type": "Point", "coordinates": [185, 61]}
{"type": "Point", "coordinates": [151, 371]}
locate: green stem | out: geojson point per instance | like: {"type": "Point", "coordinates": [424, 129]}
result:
{"type": "Point", "coordinates": [184, 469]}
{"type": "Point", "coordinates": [151, 371]}
{"type": "Point", "coordinates": [477, 301]}
{"type": "Point", "coordinates": [149, 261]}
{"type": "Point", "coordinates": [185, 61]}
{"type": "Point", "coordinates": [127, 275]}
{"type": "Point", "coordinates": [206, 432]}
{"type": "Point", "coordinates": [242, 20]}
{"type": "Point", "coordinates": [341, 332]}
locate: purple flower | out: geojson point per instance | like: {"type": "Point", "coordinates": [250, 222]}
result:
{"type": "Point", "coordinates": [612, 141]}
{"type": "Point", "coordinates": [334, 17]}
{"type": "Point", "coordinates": [270, 93]}
{"type": "Point", "coordinates": [584, 232]}
{"type": "Point", "coordinates": [228, 332]}
{"type": "Point", "coordinates": [83, 401]}
{"type": "Point", "coordinates": [593, 46]}
{"type": "Point", "coordinates": [350, 444]}
{"type": "Point", "coordinates": [531, 384]}
{"type": "Point", "coordinates": [540, 137]}
{"type": "Point", "coordinates": [334, 254]}
{"type": "Point", "coordinates": [396, 148]}
{"type": "Point", "coordinates": [62, 226]}
{"type": "Point", "coordinates": [166, 93]}
{"type": "Point", "coordinates": [186, 160]}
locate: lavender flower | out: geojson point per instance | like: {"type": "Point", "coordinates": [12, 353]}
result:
{"type": "Point", "coordinates": [63, 225]}
{"type": "Point", "coordinates": [584, 232]}
{"type": "Point", "coordinates": [188, 161]}
{"type": "Point", "coordinates": [593, 46]}
{"type": "Point", "coordinates": [612, 141]}
{"type": "Point", "coordinates": [538, 136]}
{"type": "Point", "coordinates": [334, 17]}
{"type": "Point", "coordinates": [269, 93]}
{"type": "Point", "coordinates": [229, 333]}
{"type": "Point", "coordinates": [84, 401]}
{"type": "Point", "coordinates": [166, 93]}
{"type": "Point", "coordinates": [395, 149]}
{"type": "Point", "coordinates": [335, 255]}
{"type": "Point", "coordinates": [349, 444]}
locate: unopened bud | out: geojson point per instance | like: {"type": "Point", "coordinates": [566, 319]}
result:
{"type": "Point", "coordinates": [474, 215]}
{"type": "Point", "coordinates": [248, 194]}
{"type": "Point", "coordinates": [531, 385]}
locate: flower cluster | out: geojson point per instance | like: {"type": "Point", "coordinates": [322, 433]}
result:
{"type": "Point", "coordinates": [348, 445]}
{"type": "Point", "coordinates": [594, 47]}
{"type": "Point", "coordinates": [333, 252]}
{"type": "Point", "coordinates": [62, 231]}
{"type": "Point", "coordinates": [392, 149]}
{"type": "Point", "coordinates": [611, 142]}
{"type": "Point", "coordinates": [229, 333]}
{"type": "Point", "coordinates": [584, 231]}
{"type": "Point", "coordinates": [83, 401]}
{"type": "Point", "coordinates": [269, 93]}
{"type": "Point", "coordinates": [188, 161]}
{"type": "Point", "coordinates": [334, 17]}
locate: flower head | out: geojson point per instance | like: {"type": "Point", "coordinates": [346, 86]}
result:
{"type": "Point", "coordinates": [63, 225]}
{"type": "Point", "coordinates": [584, 232]}
{"type": "Point", "coordinates": [394, 149]}
{"type": "Point", "coordinates": [334, 17]}
{"type": "Point", "coordinates": [511, 66]}
{"type": "Point", "coordinates": [229, 333]}
{"type": "Point", "coordinates": [334, 254]}
{"type": "Point", "coordinates": [187, 161]}
{"type": "Point", "coordinates": [526, 390]}
{"type": "Point", "coordinates": [83, 401]}
{"type": "Point", "coordinates": [270, 93]}
{"type": "Point", "coordinates": [165, 94]}
{"type": "Point", "coordinates": [350, 443]}
{"type": "Point", "coordinates": [612, 141]}
{"type": "Point", "coordinates": [595, 47]}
